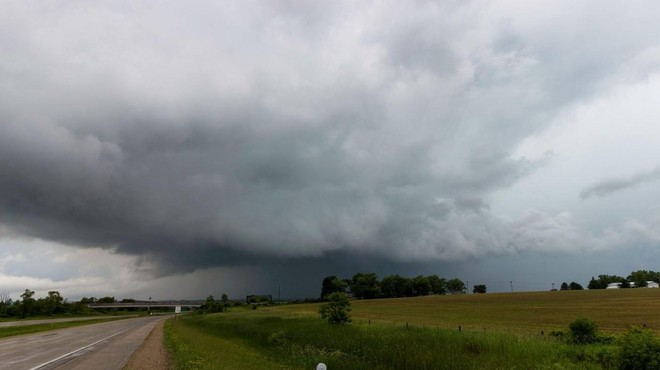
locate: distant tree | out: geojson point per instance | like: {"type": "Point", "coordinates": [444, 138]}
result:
{"type": "Point", "coordinates": [564, 286]}
{"type": "Point", "coordinates": [421, 285]}
{"type": "Point", "coordinates": [5, 302]}
{"type": "Point", "coordinates": [605, 280]}
{"type": "Point", "coordinates": [642, 277]}
{"type": "Point", "coordinates": [455, 286]}
{"type": "Point", "coordinates": [224, 298]}
{"type": "Point", "coordinates": [438, 285]}
{"type": "Point", "coordinates": [575, 286]}
{"type": "Point", "coordinates": [365, 286]}
{"type": "Point", "coordinates": [211, 305]}
{"type": "Point", "coordinates": [395, 286]}
{"type": "Point", "coordinates": [337, 310]}
{"type": "Point", "coordinates": [332, 284]}
{"type": "Point", "coordinates": [106, 300]}
{"type": "Point", "coordinates": [54, 302]}
{"type": "Point", "coordinates": [595, 284]}
{"type": "Point", "coordinates": [479, 288]}
{"type": "Point", "coordinates": [85, 300]}
{"type": "Point", "coordinates": [27, 303]}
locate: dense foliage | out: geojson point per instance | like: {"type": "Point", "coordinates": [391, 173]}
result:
{"type": "Point", "coordinates": [639, 350]}
{"type": "Point", "coordinates": [367, 286]}
{"type": "Point", "coordinates": [583, 331]}
{"type": "Point", "coordinates": [337, 310]}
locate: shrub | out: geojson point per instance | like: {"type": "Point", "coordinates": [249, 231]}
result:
{"type": "Point", "coordinates": [583, 331]}
{"type": "Point", "coordinates": [639, 350]}
{"type": "Point", "coordinates": [337, 310]}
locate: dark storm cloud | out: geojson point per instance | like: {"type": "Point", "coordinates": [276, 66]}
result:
{"type": "Point", "coordinates": [228, 134]}
{"type": "Point", "coordinates": [609, 186]}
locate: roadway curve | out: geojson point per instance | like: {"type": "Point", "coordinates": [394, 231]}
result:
{"type": "Point", "coordinates": [104, 346]}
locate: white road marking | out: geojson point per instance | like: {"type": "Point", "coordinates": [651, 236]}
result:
{"type": "Point", "coordinates": [78, 350]}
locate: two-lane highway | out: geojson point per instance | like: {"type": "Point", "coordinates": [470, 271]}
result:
{"type": "Point", "coordinates": [104, 346]}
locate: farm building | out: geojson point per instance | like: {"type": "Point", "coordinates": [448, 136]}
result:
{"type": "Point", "coordinates": [649, 284]}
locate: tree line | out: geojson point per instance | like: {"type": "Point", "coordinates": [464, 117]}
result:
{"type": "Point", "coordinates": [638, 279]}
{"type": "Point", "coordinates": [53, 304]}
{"type": "Point", "coordinates": [367, 286]}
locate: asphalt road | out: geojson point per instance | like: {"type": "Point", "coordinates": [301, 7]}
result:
{"type": "Point", "coordinates": [104, 346]}
{"type": "Point", "coordinates": [7, 324]}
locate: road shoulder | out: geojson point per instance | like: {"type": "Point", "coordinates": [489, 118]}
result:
{"type": "Point", "coordinates": [151, 355]}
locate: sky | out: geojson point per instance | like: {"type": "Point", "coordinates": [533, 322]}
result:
{"type": "Point", "coordinates": [174, 150]}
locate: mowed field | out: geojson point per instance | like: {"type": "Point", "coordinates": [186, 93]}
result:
{"type": "Point", "coordinates": [526, 313]}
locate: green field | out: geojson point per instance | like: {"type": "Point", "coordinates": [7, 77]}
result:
{"type": "Point", "coordinates": [614, 310]}
{"type": "Point", "coordinates": [499, 331]}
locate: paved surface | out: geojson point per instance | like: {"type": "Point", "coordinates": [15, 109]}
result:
{"type": "Point", "coordinates": [48, 321]}
{"type": "Point", "coordinates": [104, 346]}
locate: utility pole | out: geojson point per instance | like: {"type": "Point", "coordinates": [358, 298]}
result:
{"type": "Point", "coordinates": [467, 284]}
{"type": "Point", "coordinates": [553, 286]}
{"type": "Point", "coordinates": [511, 282]}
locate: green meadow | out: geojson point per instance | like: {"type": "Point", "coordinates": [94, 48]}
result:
{"type": "Point", "coordinates": [498, 331]}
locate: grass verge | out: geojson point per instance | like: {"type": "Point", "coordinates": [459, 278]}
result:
{"type": "Point", "coordinates": [191, 348]}
{"type": "Point", "coordinates": [248, 341]}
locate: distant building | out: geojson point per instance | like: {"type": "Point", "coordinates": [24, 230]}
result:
{"type": "Point", "coordinates": [649, 284]}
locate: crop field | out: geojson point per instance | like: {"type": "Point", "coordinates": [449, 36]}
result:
{"type": "Point", "coordinates": [527, 313]}
{"type": "Point", "coordinates": [499, 331]}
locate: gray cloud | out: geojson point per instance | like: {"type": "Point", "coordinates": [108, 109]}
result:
{"type": "Point", "coordinates": [228, 135]}
{"type": "Point", "coordinates": [609, 186]}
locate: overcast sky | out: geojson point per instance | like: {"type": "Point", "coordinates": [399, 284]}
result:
{"type": "Point", "coordinates": [179, 149]}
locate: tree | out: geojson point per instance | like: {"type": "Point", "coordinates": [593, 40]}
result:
{"type": "Point", "coordinates": [337, 310]}
{"type": "Point", "coordinates": [27, 302]}
{"type": "Point", "coordinates": [332, 284]}
{"type": "Point", "coordinates": [564, 286]}
{"type": "Point", "coordinates": [595, 284]}
{"type": "Point", "coordinates": [642, 277]}
{"type": "Point", "coordinates": [210, 305]}
{"type": "Point", "coordinates": [479, 288]}
{"type": "Point", "coordinates": [53, 303]}
{"type": "Point", "coordinates": [421, 285]}
{"type": "Point", "coordinates": [395, 286]}
{"type": "Point", "coordinates": [365, 286]}
{"type": "Point", "coordinates": [455, 286]}
{"type": "Point", "coordinates": [605, 280]}
{"type": "Point", "coordinates": [438, 285]}
{"type": "Point", "coordinates": [106, 300]}
{"type": "Point", "coordinates": [5, 302]}
{"type": "Point", "coordinates": [575, 286]}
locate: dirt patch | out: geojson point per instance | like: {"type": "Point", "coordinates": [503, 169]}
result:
{"type": "Point", "coordinates": [152, 354]}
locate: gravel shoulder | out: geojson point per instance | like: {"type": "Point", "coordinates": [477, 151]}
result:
{"type": "Point", "coordinates": [151, 355]}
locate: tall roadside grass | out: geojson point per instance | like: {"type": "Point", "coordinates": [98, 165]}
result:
{"type": "Point", "coordinates": [303, 342]}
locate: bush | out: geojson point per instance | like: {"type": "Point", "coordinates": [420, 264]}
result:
{"type": "Point", "coordinates": [583, 331]}
{"type": "Point", "coordinates": [639, 350]}
{"type": "Point", "coordinates": [336, 311]}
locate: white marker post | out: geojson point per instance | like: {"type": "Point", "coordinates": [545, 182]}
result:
{"type": "Point", "coordinates": [177, 311]}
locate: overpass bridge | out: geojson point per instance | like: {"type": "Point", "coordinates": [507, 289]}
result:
{"type": "Point", "coordinates": [154, 304]}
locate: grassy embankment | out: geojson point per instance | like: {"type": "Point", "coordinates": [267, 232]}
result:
{"type": "Point", "coordinates": [498, 331]}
